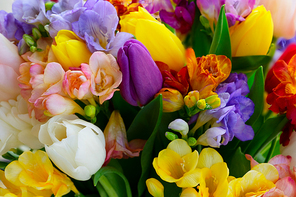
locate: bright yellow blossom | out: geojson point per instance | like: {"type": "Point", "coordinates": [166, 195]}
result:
{"type": "Point", "coordinates": [70, 50]}
{"type": "Point", "coordinates": [155, 188]}
{"type": "Point", "coordinates": [163, 45]}
{"type": "Point", "coordinates": [254, 35]}
{"type": "Point", "coordinates": [35, 172]}
{"type": "Point", "coordinates": [177, 164]}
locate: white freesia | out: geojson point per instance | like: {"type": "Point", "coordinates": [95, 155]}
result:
{"type": "Point", "coordinates": [17, 127]}
{"type": "Point", "coordinates": [75, 146]}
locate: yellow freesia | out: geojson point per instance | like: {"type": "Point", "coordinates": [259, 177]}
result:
{"type": "Point", "coordinates": [214, 174]}
{"type": "Point", "coordinates": [163, 45]}
{"type": "Point", "coordinates": [155, 188]}
{"type": "Point", "coordinates": [254, 35]}
{"type": "Point", "coordinates": [177, 164]}
{"type": "Point", "coordinates": [34, 173]}
{"type": "Point", "coordinates": [70, 50]}
{"type": "Point", "coordinates": [189, 192]}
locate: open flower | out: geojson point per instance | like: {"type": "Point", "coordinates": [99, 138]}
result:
{"type": "Point", "coordinates": [207, 72]}
{"type": "Point", "coordinates": [35, 172]}
{"type": "Point", "coordinates": [117, 146]}
{"type": "Point", "coordinates": [163, 45]}
{"type": "Point", "coordinates": [75, 146]}
{"type": "Point", "coordinates": [178, 164]}
{"type": "Point", "coordinates": [104, 74]}
{"type": "Point", "coordinates": [70, 50]}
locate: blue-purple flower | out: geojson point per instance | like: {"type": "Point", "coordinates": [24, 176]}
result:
{"type": "Point", "coordinates": [141, 78]}
{"type": "Point", "coordinates": [231, 116]}
{"type": "Point", "coordinates": [30, 11]}
{"type": "Point", "coordinates": [97, 25]}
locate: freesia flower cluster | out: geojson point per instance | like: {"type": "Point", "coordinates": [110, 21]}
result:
{"type": "Point", "coordinates": [148, 98]}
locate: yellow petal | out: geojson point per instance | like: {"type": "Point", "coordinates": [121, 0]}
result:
{"type": "Point", "coordinates": [189, 192]}
{"type": "Point", "coordinates": [61, 57]}
{"type": "Point", "coordinates": [190, 161]}
{"type": "Point", "coordinates": [78, 52]}
{"type": "Point", "coordinates": [65, 35]}
{"type": "Point", "coordinates": [208, 157]}
{"type": "Point", "coordinates": [12, 172]}
{"type": "Point", "coordinates": [162, 44]}
{"type": "Point", "coordinates": [155, 188]}
{"type": "Point", "coordinates": [190, 179]}
{"type": "Point", "coordinates": [269, 171]}
{"type": "Point", "coordinates": [180, 146]}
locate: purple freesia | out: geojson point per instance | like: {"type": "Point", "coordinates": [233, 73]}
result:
{"type": "Point", "coordinates": [97, 27]}
{"type": "Point", "coordinates": [65, 5]}
{"type": "Point", "coordinates": [181, 18]}
{"type": "Point", "coordinates": [234, 111]}
{"type": "Point", "coordinates": [30, 11]}
{"type": "Point", "coordinates": [236, 10]}
{"type": "Point", "coordinates": [157, 5]}
{"type": "Point", "coordinates": [141, 78]}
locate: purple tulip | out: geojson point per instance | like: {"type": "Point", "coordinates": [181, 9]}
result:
{"type": "Point", "coordinates": [141, 78]}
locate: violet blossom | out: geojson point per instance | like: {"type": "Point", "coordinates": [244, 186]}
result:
{"type": "Point", "coordinates": [30, 11]}
{"type": "Point", "coordinates": [236, 10]}
{"type": "Point", "coordinates": [181, 18]}
{"type": "Point", "coordinates": [97, 26]}
{"type": "Point", "coordinates": [153, 6]}
{"type": "Point", "coordinates": [231, 116]}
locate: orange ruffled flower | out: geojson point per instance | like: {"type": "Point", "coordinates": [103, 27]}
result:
{"type": "Point", "coordinates": [207, 72]}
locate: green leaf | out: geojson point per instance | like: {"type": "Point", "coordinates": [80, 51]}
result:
{"type": "Point", "coordinates": [3, 164]}
{"type": "Point", "coordinates": [249, 63]}
{"type": "Point", "coordinates": [198, 39]}
{"type": "Point", "coordinates": [238, 157]}
{"type": "Point", "coordinates": [256, 95]}
{"type": "Point", "coordinates": [111, 175]}
{"type": "Point", "coordinates": [221, 41]}
{"type": "Point", "coordinates": [268, 131]}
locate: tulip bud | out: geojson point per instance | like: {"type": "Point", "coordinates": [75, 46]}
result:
{"type": "Point", "coordinates": [141, 78]}
{"type": "Point", "coordinates": [214, 101]}
{"type": "Point", "coordinates": [172, 99]}
{"type": "Point", "coordinates": [254, 35]}
{"type": "Point", "coordinates": [171, 136]}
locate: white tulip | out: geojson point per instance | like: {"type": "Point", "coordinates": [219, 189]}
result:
{"type": "Point", "coordinates": [17, 127]}
{"type": "Point", "coordinates": [75, 146]}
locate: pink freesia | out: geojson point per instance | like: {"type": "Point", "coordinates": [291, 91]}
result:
{"type": "Point", "coordinates": [77, 85]}
{"type": "Point", "coordinates": [117, 146]}
{"type": "Point", "coordinates": [9, 65]}
{"type": "Point", "coordinates": [283, 15]}
{"type": "Point", "coordinates": [104, 74]}
{"type": "Point", "coordinates": [55, 104]}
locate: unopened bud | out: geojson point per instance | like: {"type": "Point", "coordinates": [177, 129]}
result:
{"type": "Point", "coordinates": [180, 126]}
{"type": "Point", "coordinates": [201, 104]}
{"type": "Point", "coordinates": [191, 141]}
{"type": "Point", "coordinates": [191, 99]}
{"type": "Point", "coordinates": [22, 47]}
{"type": "Point", "coordinates": [171, 136]}
{"type": "Point", "coordinates": [48, 5]}
{"type": "Point", "coordinates": [36, 33]}
{"type": "Point", "coordinates": [33, 49]}
{"type": "Point", "coordinates": [29, 40]}
{"type": "Point", "coordinates": [214, 101]}
{"type": "Point", "coordinates": [90, 111]}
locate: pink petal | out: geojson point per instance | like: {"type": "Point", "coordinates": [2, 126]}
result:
{"type": "Point", "coordinates": [287, 185]}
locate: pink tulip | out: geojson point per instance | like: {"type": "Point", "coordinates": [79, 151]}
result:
{"type": "Point", "coordinates": [104, 74]}
{"type": "Point", "coordinates": [283, 15]}
{"type": "Point", "coordinates": [9, 67]}
{"type": "Point", "coordinates": [117, 146]}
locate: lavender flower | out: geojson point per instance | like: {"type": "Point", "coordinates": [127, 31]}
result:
{"type": "Point", "coordinates": [231, 116]}
{"type": "Point", "coordinates": [157, 5]}
{"type": "Point", "coordinates": [181, 18]}
{"type": "Point", "coordinates": [97, 25]}
{"type": "Point", "coordinates": [30, 11]}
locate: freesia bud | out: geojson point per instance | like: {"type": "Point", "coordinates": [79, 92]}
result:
{"type": "Point", "coordinates": [29, 40]}
{"type": "Point", "coordinates": [163, 45]}
{"type": "Point", "coordinates": [191, 141]}
{"type": "Point", "coordinates": [171, 136]}
{"type": "Point", "coordinates": [36, 33]}
{"type": "Point", "coordinates": [141, 78]}
{"type": "Point", "coordinates": [179, 125]}
{"type": "Point", "coordinates": [254, 35]}
{"type": "Point", "coordinates": [90, 111]}
{"type": "Point", "coordinates": [75, 146]}
{"type": "Point", "coordinates": [155, 188]}
{"type": "Point", "coordinates": [172, 99]}
{"type": "Point", "coordinates": [214, 101]}
{"type": "Point", "coordinates": [201, 104]}
{"type": "Point", "coordinates": [48, 5]}
{"type": "Point", "coordinates": [191, 98]}
{"type": "Point", "coordinates": [70, 50]}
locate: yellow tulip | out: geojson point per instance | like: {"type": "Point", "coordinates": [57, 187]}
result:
{"type": "Point", "coordinates": [70, 50]}
{"type": "Point", "coordinates": [254, 35]}
{"type": "Point", "coordinates": [163, 45]}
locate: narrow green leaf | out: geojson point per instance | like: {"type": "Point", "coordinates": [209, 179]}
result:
{"type": "Point", "coordinates": [3, 164]}
{"type": "Point", "coordinates": [238, 158]}
{"type": "Point", "coordinates": [119, 182]}
{"type": "Point", "coordinates": [249, 63]}
{"type": "Point", "coordinates": [268, 131]}
{"type": "Point", "coordinates": [256, 95]}
{"type": "Point", "coordinates": [221, 41]}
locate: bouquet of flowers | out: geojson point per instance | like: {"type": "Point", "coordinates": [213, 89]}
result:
{"type": "Point", "coordinates": [127, 98]}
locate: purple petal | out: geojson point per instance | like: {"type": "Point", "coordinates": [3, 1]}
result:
{"type": "Point", "coordinates": [118, 42]}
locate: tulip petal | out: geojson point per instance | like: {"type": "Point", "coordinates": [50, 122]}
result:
{"type": "Point", "coordinates": [78, 52]}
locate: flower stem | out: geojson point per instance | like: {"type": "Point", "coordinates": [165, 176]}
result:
{"type": "Point", "coordinates": [107, 186]}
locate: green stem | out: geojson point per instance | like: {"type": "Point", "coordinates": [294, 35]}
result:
{"type": "Point", "coordinates": [101, 190]}
{"type": "Point", "coordinates": [107, 186]}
